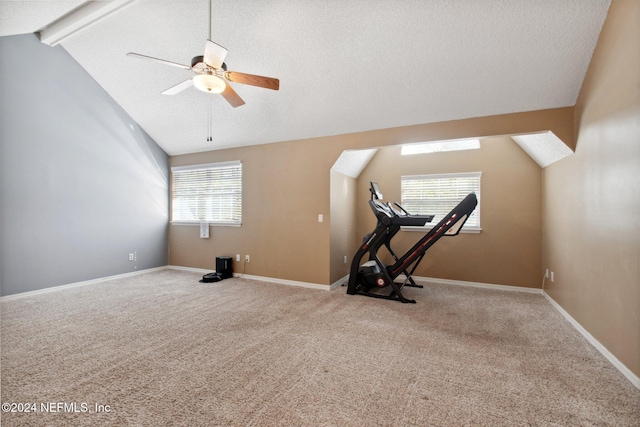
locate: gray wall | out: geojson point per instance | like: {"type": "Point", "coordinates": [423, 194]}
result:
{"type": "Point", "coordinates": [81, 184]}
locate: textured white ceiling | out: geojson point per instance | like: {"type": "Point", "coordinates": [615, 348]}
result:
{"type": "Point", "coordinates": [353, 162]}
{"type": "Point", "coordinates": [344, 65]}
{"type": "Point", "coordinates": [544, 147]}
{"type": "Point", "coordinates": [22, 17]}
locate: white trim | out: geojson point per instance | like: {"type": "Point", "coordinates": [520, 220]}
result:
{"type": "Point", "coordinates": [261, 278]}
{"type": "Point", "coordinates": [411, 196]}
{"type": "Point", "coordinates": [285, 282]}
{"type": "Point", "coordinates": [443, 175]}
{"type": "Point", "coordinates": [78, 284]}
{"type": "Point", "coordinates": [340, 282]}
{"type": "Point", "coordinates": [201, 166]}
{"type": "Point", "coordinates": [431, 147]}
{"type": "Point", "coordinates": [196, 184]}
{"type": "Point", "coordinates": [477, 284]}
{"type": "Point", "coordinates": [196, 222]}
{"type": "Point", "coordinates": [84, 16]}
{"type": "Point", "coordinates": [635, 380]}
{"type": "Point", "coordinates": [190, 269]}
{"type": "Point", "coordinates": [172, 267]}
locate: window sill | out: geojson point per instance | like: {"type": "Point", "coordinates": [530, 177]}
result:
{"type": "Point", "coordinates": [426, 228]}
{"type": "Point", "coordinates": [197, 224]}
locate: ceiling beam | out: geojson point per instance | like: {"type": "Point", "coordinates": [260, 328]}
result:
{"type": "Point", "coordinates": [85, 15]}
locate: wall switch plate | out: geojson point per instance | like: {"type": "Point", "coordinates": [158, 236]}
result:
{"type": "Point", "coordinates": [552, 276]}
{"type": "Point", "coordinates": [238, 257]}
{"type": "Point", "coordinates": [320, 218]}
{"type": "Point", "coordinates": [204, 230]}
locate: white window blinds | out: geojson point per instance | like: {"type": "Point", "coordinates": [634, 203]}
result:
{"type": "Point", "coordinates": [438, 194]}
{"type": "Point", "coordinates": [210, 192]}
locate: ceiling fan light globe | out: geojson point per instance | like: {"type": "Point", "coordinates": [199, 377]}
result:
{"type": "Point", "coordinates": [209, 83]}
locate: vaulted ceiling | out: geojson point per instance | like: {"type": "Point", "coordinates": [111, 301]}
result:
{"type": "Point", "coordinates": [344, 65]}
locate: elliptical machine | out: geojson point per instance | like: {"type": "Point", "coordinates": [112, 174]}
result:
{"type": "Point", "coordinates": [372, 276]}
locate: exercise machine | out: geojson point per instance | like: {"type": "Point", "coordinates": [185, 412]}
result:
{"type": "Point", "coordinates": [373, 276]}
{"type": "Point", "coordinates": [394, 226]}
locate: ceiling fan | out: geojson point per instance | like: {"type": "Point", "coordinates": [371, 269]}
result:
{"type": "Point", "coordinates": [212, 75]}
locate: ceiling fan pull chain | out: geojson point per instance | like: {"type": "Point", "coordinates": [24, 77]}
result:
{"type": "Point", "coordinates": [210, 31]}
{"type": "Point", "coordinates": [210, 119]}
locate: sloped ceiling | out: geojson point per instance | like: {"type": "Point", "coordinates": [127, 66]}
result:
{"type": "Point", "coordinates": [353, 162]}
{"type": "Point", "coordinates": [344, 65]}
{"type": "Point", "coordinates": [544, 148]}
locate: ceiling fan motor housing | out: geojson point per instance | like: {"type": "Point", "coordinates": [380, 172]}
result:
{"type": "Point", "coordinates": [199, 66]}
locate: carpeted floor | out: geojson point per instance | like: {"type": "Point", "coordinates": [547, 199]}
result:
{"type": "Point", "coordinates": [162, 349]}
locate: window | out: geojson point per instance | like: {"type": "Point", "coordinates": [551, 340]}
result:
{"type": "Point", "coordinates": [210, 192]}
{"type": "Point", "coordinates": [440, 146]}
{"type": "Point", "coordinates": [438, 194]}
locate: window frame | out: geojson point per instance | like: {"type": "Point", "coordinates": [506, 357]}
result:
{"type": "Point", "coordinates": [445, 146]}
{"type": "Point", "coordinates": [466, 228]}
{"type": "Point", "coordinates": [207, 167]}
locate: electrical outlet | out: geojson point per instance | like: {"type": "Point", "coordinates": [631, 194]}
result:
{"type": "Point", "coordinates": [238, 257]}
{"type": "Point", "coordinates": [552, 276]}
{"type": "Point", "coordinates": [546, 273]}
{"type": "Point", "coordinates": [130, 257]}
{"type": "Point", "coordinates": [246, 258]}
{"type": "Point", "coordinates": [345, 259]}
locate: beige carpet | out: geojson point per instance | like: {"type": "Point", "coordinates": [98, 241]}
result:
{"type": "Point", "coordinates": [162, 349]}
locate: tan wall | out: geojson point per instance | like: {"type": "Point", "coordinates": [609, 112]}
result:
{"type": "Point", "coordinates": [287, 184]}
{"type": "Point", "coordinates": [592, 198]}
{"type": "Point", "coordinates": [508, 250]}
{"type": "Point", "coordinates": [343, 224]}
{"type": "Point", "coordinates": [285, 187]}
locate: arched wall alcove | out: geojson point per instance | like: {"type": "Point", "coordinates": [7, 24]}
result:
{"type": "Point", "coordinates": [508, 248]}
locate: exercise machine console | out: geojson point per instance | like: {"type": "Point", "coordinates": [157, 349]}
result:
{"type": "Point", "coordinates": [370, 277]}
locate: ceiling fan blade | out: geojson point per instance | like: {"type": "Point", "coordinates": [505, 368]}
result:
{"type": "Point", "coordinates": [214, 54]}
{"type": "Point", "coordinates": [232, 97]}
{"type": "Point", "coordinates": [162, 61]}
{"type": "Point", "coordinates": [178, 88]}
{"type": "Point", "coordinates": [253, 80]}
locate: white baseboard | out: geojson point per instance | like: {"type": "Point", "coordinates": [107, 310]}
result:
{"type": "Point", "coordinates": [285, 282]}
{"type": "Point", "coordinates": [339, 282]}
{"type": "Point", "coordinates": [190, 269]}
{"type": "Point", "coordinates": [76, 284]}
{"type": "Point", "coordinates": [635, 380]}
{"type": "Point", "coordinates": [261, 278]}
{"type": "Point", "coordinates": [476, 284]}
